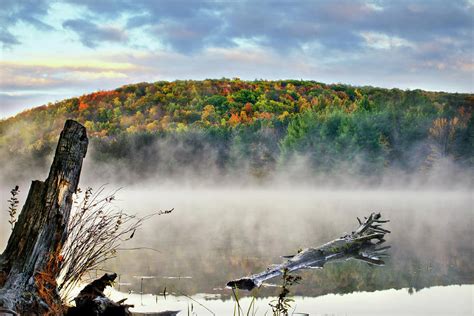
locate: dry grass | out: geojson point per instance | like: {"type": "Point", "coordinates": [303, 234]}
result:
{"type": "Point", "coordinates": [97, 229]}
{"type": "Point", "coordinates": [46, 285]}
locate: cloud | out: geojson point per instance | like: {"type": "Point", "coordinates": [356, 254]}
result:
{"type": "Point", "coordinates": [337, 27]}
{"type": "Point", "coordinates": [423, 20]}
{"type": "Point", "coordinates": [107, 8]}
{"type": "Point", "coordinates": [7, 39]}
{"type": "Point", "coordinates": [383, 41]}
{"type": "Point", "coordinates": [286, 26]}
{"type": "Point", "coordinates": [188, 26]}
{"type": "Point", "coordinates": [13, 12]}
{"type": "Point", "coordinates": [12, 103]}
{"type": "Point", "coordinates": [36, 82]}
{"type": "Point", "coordinates": [43, 75]}
{"type": "Point", "coordinates": [92, 35]}
{"type": "Point", "coordinates": [185, 38]}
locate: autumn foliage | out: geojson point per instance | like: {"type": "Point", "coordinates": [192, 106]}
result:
{"type": "Point", "coordinates": [261, 122]}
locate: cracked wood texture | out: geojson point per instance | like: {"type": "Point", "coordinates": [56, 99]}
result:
{"type": "Point", "coordinates": [30, 263]}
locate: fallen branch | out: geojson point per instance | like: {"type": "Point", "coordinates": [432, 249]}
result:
{"type": "Point", "coordinates": [362, 244]}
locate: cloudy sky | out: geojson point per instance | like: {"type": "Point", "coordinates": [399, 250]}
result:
{"type": "Point", "coordinates": [51, 50]}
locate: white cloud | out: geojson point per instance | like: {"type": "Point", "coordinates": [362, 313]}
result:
{"type": "Point", "coordinates": [384, 41]}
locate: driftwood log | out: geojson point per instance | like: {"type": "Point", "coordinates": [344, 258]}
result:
{"type": "Point", "coordinates": [30, 263]}
{"type": "Point", "coordinates": [92, 301]}
{"type": "Point", "coordinates": [362, 244]}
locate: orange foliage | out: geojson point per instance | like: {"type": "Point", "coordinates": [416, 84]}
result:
{"type": "Point", "coordinates": [264, 116]}
{"type": "Point", "coordinates": [244, 118]}
{"type": "Point", "coordinates": [303, 104]}
{"type": "Point", "coordinates": [315, 101]}
{"type": "Point", "coordinates": [100, 95]}
{"type": "Point", "coordinates": [95, 98]}
{"type": "Point", "coordinates": [83, 106]}
{"type": "Point", "coordinates": [234, 119]}
{"type": "Point", "coordinates": [248, 108]}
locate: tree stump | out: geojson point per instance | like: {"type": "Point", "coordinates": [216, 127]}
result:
{"type": "Point", "coordinates": [30, 263]}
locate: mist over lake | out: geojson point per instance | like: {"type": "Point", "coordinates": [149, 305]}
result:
{"type": "Point", "coordinates": [216, 234]}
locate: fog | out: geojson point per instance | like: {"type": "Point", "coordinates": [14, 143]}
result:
{"type": "Point", "coordinates": [193, 160]}
{"type": "Point", "coordinates": [228, 225]}
{"type": "Point", "coordinates": [216, 234]}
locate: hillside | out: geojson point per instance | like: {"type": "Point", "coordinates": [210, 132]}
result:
{"type": "Point", "coordinates": [253, 127]}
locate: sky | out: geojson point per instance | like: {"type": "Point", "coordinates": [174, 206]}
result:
{"type": "Point", "coordinates": [51, 50]}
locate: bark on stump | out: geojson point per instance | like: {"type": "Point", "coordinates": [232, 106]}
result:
{"type": "Point", "coordinates": [30, 263]}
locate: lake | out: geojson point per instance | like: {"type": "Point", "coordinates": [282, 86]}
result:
{"type": "Point", "coordinates": [438, 300]}
{"type": "Point", "coordinates": [218, 234]}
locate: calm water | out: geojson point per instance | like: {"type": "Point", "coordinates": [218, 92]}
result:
{"type": "Point", "coordinates": [218, 234]}
{"type": "Point", "coordinates": [440, 300]}
{"type": "Point", "coordinates": [215, 235]}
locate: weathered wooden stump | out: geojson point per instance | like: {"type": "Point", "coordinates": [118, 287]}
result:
{"type": "Point", "coordinates": [30, 263]}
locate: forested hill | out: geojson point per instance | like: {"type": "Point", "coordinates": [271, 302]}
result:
{"type": "Point", "coordinates": [255, 126]}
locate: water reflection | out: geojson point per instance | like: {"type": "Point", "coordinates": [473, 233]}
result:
{"type": "Point", "coordinates": [363, 243]}
{"type": "Point", "coordinates": [449, 300]}
{"type": "Point", "coordinates": [220, 234]}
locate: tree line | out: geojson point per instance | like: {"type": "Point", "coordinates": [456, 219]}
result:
{"type": "Point", "coordinates": [257, 126]}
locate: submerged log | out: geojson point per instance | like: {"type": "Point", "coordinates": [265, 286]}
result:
{"type": "Point", "coordinates": [30, 263]}
{"type": "Point", "coordinates": [362, 244]}
{"type": "Point", "coordinates": [92, 301]}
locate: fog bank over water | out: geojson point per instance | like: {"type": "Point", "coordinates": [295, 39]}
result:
{"type": "Point", "coordinates": [216, 234]}
{"type": "Point", "coordinates": [173, 163]}
{"type": "Point", "coordinates": [225, 228]}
